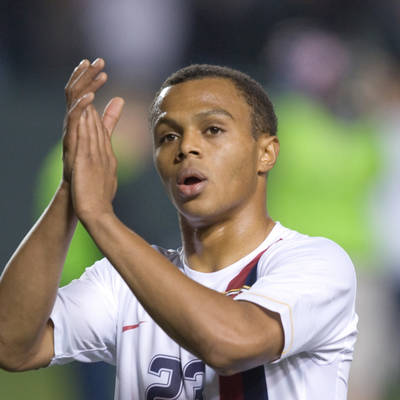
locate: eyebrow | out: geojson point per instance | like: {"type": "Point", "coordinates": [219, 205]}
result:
{"type": "Point", "coordinates": [203, 114]}
{"type": "Point", "coordinates": [214, 111]}
{"type": "Point", "coordinates": [165, 120]}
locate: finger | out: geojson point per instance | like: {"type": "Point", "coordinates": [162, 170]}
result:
{"type": "Point", "coordinates": [76, 110]}
{"type": "Point", "coordinates": [102, 134]}
{"type": "Point", "coordinates": [91, 86]}
{"type": "Point", "coordinates": [91, 132]}
{"type": "Point", "coordinates": [112, 113]}
{"type": "Point", "coordinates": [70, 94]}
{"type": "Point", "coordinates": [82, 150]}
{"type": "Point", "coordinates": [104, 141]}
{"type": "Point", "coordinates": [109, 152]}
{"type": "Point", "coordinates": [83, 65]}
{"type": "Point", "coordinates": [88, 75]}
{"type": "Point", "coordinates": [73, 116]}
{"type": "Point", "coordinates": [90, 79]}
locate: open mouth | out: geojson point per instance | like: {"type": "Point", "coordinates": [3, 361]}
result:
{"type": "Point", "coordinates": [191, 183]}
{"type": "Point", "coordinates": [192, 180]}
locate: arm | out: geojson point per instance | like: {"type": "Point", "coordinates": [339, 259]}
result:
{"type": "Point", "coordinates": [228, 335]}
{"type": "Point", "coordinates": [29, 283]}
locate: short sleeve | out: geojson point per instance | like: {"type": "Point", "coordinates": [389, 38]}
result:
{"type": "Point", "coordinates": [311, 284]}
{"type": "Point", "coordinates": [85, 317]}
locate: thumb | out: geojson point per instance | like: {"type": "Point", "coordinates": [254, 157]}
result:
{"type": "Point", "coordinates": [112, 113]}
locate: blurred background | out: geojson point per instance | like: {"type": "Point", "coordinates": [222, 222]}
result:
{"type": "Point", "coordinates": [331, 68]}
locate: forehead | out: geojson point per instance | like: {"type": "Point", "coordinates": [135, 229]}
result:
{"type": "Point", "coordinates": [201, 95]}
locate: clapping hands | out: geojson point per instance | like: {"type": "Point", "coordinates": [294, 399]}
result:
{"type": "Point", "coordinates": [89, 163]}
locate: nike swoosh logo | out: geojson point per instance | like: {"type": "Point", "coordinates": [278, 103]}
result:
{"type": "Point", "coordinates": [129, 327]}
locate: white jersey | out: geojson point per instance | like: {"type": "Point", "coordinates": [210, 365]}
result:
{"type": "Point", "coordinates": [309, 281]}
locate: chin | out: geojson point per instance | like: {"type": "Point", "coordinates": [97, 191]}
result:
{"type": "Point", "coordinates": [199, 214]}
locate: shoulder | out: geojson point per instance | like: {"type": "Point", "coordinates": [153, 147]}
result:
{"type": "Point", "coordinates": [103, 269]}
{"type": "Point", "coordinates": [311, 283]}
{"type": "Point", "coordinates": [302, 254]}
{"type": "Point", "coordinates": [100, 279]}
{"type": "Point", "coordinates": [103, 277]}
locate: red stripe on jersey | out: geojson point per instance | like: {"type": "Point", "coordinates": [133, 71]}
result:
{"type": "Point", "coordinates": [251, 384]}
{"type": "Point", "coordinates": [239, 280]}
{"type": "Point", "coordinates": [231, 387]}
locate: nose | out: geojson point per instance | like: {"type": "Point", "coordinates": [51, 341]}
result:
{"type": "Point", "coordinates": [190, 145]}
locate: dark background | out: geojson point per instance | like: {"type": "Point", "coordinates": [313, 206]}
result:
{"type": "Point", "coordinates": [341, 55]}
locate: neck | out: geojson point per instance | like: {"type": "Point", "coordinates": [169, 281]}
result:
{"type": "Point", "coordinates": [210, 248]}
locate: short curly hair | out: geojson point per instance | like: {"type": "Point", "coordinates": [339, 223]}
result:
{"type": "Point", "coordinates": [263, 115]}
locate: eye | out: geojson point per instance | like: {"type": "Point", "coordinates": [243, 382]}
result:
{"type": "Point", "coordinates": [169, 137]}
{"type": "Point", "coordinates": [213, 130]}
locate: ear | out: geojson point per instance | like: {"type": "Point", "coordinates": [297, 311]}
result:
{"type": "Point", "coordinates": [268, 150]}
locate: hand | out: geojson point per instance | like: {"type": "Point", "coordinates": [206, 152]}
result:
{"type": "Point", "coordinates": [85, 80]}
{"type": "Point", "coordinates": [94, 172]}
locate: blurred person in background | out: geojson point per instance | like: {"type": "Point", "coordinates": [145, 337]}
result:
{"type": "Point", "coordinates": [338, 106]}
{"type": "Point", "coordinates": [333, 144]}
{"type": "Point", "coordinates": [214, 144]}
{"type": "Point", "coordinates": [378, 84]}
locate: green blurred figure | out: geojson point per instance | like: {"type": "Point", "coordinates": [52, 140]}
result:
{"type": "Point", "coordinates": [322, 179]}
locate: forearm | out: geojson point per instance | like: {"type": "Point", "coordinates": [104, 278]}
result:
{"type": "Point", "coordinates": [207, 323]}
{"type": "Point", "coordinates": [29, 283]}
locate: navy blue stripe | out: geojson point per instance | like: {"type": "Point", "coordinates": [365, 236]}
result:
{"type": "Point", "coordinates": [254, 384]}
{"type": "Point", "coordinates": [252, 276]}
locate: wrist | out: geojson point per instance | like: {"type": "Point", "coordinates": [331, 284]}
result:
{"type": "Point", "coordinates": [64, 187]}
{"type": "Point", "coordinates": [63, 195]}
{"type": "Point", "coordinates": [94, 221]}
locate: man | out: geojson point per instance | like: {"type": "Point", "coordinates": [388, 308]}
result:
{"type": "Point", "coordinates": [246, 309]}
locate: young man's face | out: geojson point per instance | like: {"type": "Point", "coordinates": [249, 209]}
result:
{"type": "Point", "coordinates": [204, 150]}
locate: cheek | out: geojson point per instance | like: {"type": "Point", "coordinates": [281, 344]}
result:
{"type": "Point", "coordinates": [238, 171]}
{"type": "Point", "coordinates": [161, 163]}
{"type": "Point", "coordinates": [158, 165]}
{"type": "Point", "coordinates": [241, 162]}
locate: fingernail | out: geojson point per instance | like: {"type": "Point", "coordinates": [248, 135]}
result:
{"type": "Point", "coordinates": [83, 62]}
{"type": "Point", "coordinates": [96, 61]}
